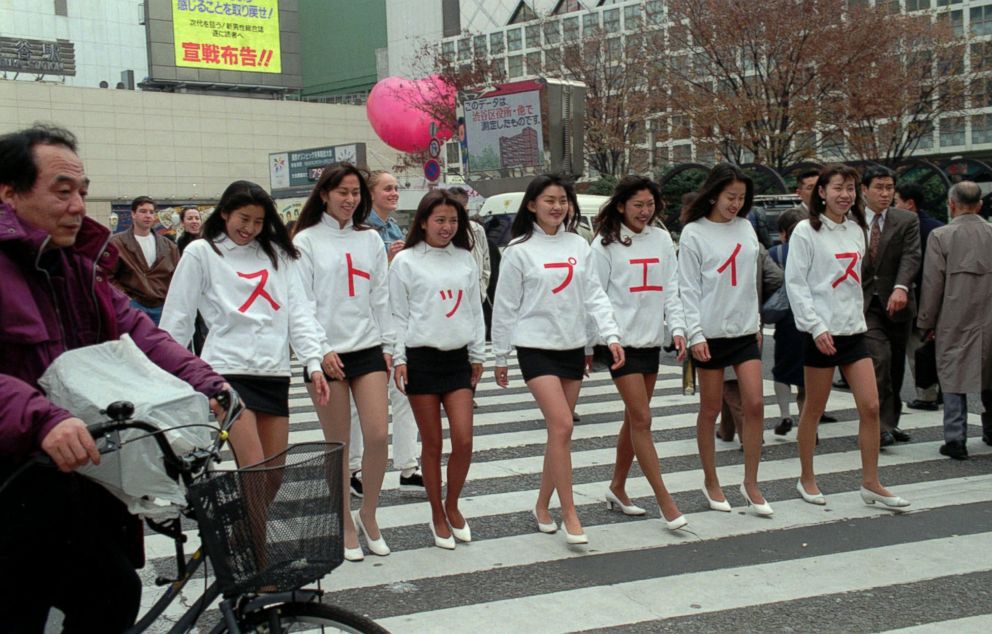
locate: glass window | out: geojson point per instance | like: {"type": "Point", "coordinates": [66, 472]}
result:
{"type": "Point", "coordinates": [514, 40]}
{"type": "Point", "coordinates": [917, 5]}
{"type": "Point", "coordinates": [552, 60]}
{"type": "Point", "coordinates": [464, 48]}
{"type": "Point", "coordinates": [448, 50]}
{"type": "Point", "coordinates": [611, 20]}
{"type": "Point", "coordinates": [981, 56]}
{"type": "Point", "coordinates": [956, 19]}
{"type": "Point", "coordinates": [981, 129]}
{"type": "Point", "coordinates": [926, 139]}
{"type": "Point", "coordinates": [453, 157]}
{"type": "Point", "coordinates": [496, 44]}
{"type": "Point", "coordinates": [533, 35]}
{"type": "Point", "coordinates": [682, 153]}
{"type": "Point", "coordinates": [944, 3]}
{"type": "Point", "coordinates": [479, 46]}
{"type": "Point", "coordinates": [680, 127]}
{"type": "Point", "coordinates": [590, 23]}
{"type": "Point", "coordinates": [614, 49]}
{"type": "Point", "coordinates": [534, 66]}
{"type": "Point", "coordinates": [571, 29]}
{"type": "Point", "coordinates": [632, 17]}
{"type": "Point", "coordinates": [655, 10]}
{"type": "Point", "coordinates": [951, 131]}
{"type": "Point", "coordinates": [980, 20]}
{"type": "Point", "coordinates": [552, 32]}
{"type": "Point", "coordinates": [660, 156]}
{"type": "Point", "coordinates": [515, 65]}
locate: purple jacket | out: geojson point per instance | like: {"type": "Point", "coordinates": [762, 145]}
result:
{"type": "Point", "coordinates": [55, 301]}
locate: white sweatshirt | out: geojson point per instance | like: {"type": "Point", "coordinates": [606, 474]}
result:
{"type": "Point", "coordinates": [642, 282]}
{"type": "Point", "coordinates": [252, 309]}
{"type": "Point", "coordinates": [718, 268]}
{"type": "Point", "coordinates": [434, 297]}
{"type": "Point", "coordinates": [345, 272]}
{"type": "Point", "coordinates": [547, 286]}
{"type": "Point", "coordinates": [823, 277]}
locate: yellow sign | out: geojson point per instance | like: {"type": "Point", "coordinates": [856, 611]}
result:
{"type": "Point", "coordinates": [227, 34]}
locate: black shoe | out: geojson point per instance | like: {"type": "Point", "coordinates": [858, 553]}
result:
{"type": "Point", "coordinates": [841, 384]}
{"type": "Point", "coordinates": [414, 483]}
{"type": "Point", "coordinates": [954, 450]}
{"type": "Point", "coordinates": [886, 439]}
{"type": "Point", "coordinates": [900, 435]}
{"type": "Point", "coordinates": [929, 406]}
{"type": "Point", "coordinates": [784, 427]}
{"type": "Point", "coordinates": [575, 417]}
{"type": "Point", "coordinates": [987, 439]}
{"type": "Point", "coordinates": [827, 418]}
{"type": "Point", "coordinates": [356, 485]}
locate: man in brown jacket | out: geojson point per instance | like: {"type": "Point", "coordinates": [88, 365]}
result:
{"type": "Point", "coordinates": [147, 260]}
{"type": "Point", "coordinates": [888, 272]}
{"type": "Point", "coordinates": [954, 309]}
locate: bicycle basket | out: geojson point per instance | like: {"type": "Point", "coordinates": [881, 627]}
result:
{"type": "Point", "coordinates": [275, 525]}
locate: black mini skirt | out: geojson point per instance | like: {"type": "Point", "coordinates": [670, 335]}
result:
{"type": "Point", "coordinates": [358, 363]}
{"type": "Point", "coordinates": [265, 394]}
{"type": "Point", "coordinates": [850, 348]}
{"type": "Point", "coordinates": [730, 351]}
{"type": "Point", "coordinates": [565, 364]}
{"type": "Point", "coordinates": [638, 361]}
{"type": "Point", "coordinates": [433, 371]}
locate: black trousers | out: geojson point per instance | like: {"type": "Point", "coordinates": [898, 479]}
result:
{"type": "Point", "coordinates": [66, 543]}
{"type": "Point", "coordinates": [887, 341]}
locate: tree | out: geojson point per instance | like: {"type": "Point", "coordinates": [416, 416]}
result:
{"type": "Point", "coordinates": [780, 82]}
{"type": "Point", "coordinates": [619, 73]}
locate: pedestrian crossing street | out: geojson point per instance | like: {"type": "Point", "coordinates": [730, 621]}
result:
{"type": "Point", "coordinates": [842, 567]}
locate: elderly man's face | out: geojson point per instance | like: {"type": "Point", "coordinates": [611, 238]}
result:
{"type": "Point", "coordinates": [56, 203]}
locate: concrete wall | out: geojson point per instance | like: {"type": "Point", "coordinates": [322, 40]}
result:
{"type": "Point", "coordinates": [177, 146]}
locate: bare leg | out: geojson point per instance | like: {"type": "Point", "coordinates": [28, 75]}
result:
{"type": "Point", "coordinates": [749, 381]}
{"type": "Point", "coordinates": [458, 407]}
{"type": "Point", "coordinates": [427, 412]}
{"type": "Point", "coordinates": [818, 384]}
{"type": "Point", "coordinates": [335, 420]}
{"type": "Point", "coordinates": [861, 376]}
{"type": "Point", "coordinates": [636, 391]}
{"type": "Point", "coordinates": [369, 391]}
{"type": "Point", "coordinates": [552, 396]}
{"type": "Point", "coordinates": [710, 384]}
{"type": "Point", "coordinates": [625, 454]}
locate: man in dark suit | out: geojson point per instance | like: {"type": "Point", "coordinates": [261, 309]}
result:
{"type": "Point", "coordinates": [909, 196]}
{"type": "Point", "coordinates": [889, 271]}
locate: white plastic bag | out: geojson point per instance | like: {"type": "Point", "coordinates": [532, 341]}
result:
{"type": "Point", "coordinates": [87, 380]}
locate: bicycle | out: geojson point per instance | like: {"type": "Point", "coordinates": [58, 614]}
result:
{"type": "Point", "coordinates": [268, 529]}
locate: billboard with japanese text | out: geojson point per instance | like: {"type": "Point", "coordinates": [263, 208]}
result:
{"type": "Point", "coordinates": [504, 131]}
{"type": "Point", "coordinates": [295, 173]}
{"type": "Point", "coordinates": [240, 35]}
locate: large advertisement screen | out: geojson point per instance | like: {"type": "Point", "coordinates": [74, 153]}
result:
{"type": "Point", "coordinates": [227, 35]}
{"type": "Point", "coordinates": [504, 131]}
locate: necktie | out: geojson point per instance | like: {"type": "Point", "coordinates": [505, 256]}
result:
{"type": "Point", "coordinates": [876, 235]}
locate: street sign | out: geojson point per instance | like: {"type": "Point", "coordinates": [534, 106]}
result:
{"type": "Point", "coordinates": [434, 148]}
{"type": "Point", "coordinates": [432, 170]}
{"type": "Point", "coordinates": [433, 129]}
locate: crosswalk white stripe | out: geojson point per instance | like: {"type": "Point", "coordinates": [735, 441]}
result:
{"type": "Point", "coordinates": [969, 625]}
{"type": "Point", "coordinates": [619, 604]}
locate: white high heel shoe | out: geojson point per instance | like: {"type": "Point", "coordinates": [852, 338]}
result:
{"type": "Point", "coordinates": [354, 554]}
{"type": "Point", "coordinates": [716, 506]}
{"type": "Point", "coordinates": [377, 546]}
{"type": "Point", "coordinates": [811, 498]}
{"type": "Point", "coordinates": [675, 524]}
{"type": "Point", "coordinates": [627, 509]}
{"type": "Point", "coordinates": [447, 543]}
{"type": "Point", "coordinates": [549, 528]}
{"type": "Point", "coordinates": [892, 501]}
{"type": "Point", "coordinates": [575, 540]}
{"type": "Point", "coordinates": [463, 534]}
{"type": "Point", "coordinates": [764, 510]}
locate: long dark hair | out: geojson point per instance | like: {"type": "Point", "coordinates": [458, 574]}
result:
{"type": "Point", "coordinates": [720, 177]}
{"type": "Point", "coordinates": [330, 178]}
{"type": "Point", "coordinates": [274, 234]}
{"type": "Point", "coordinates": [818, 206]}
{"type": "Point", "coordinates": [607, 223]}
{"type": "Point", "coordinates": [572, 219]}
{"type": "Point", "coordinates": [523, 222]}
{"type": "Point", "coordinates": [431, 201]}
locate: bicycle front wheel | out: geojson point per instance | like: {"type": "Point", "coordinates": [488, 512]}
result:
{"type": "Point", "coordinates": [318, 618]}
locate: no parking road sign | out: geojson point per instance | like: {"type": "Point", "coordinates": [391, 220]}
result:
{"type": "Point", "coordinates": [432, 170]}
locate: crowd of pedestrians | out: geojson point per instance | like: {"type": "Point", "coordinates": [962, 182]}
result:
{"type": "Point", "coordinates": [394, 320]}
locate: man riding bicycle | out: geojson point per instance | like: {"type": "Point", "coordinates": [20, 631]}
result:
{"type": "Point", "coordinates": [64, 540]}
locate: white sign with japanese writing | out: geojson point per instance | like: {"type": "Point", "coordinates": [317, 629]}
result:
{"type": "Point", "coordinates": [504, 131]}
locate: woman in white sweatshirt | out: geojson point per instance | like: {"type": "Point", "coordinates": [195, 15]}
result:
{"type": "Point", "coordinates": [718, 282]}
{"type": "Point", "coordinates": [636, 263]}
{"type": "Point", "coordinates": [823, 280]}
{"type": "Point", "coordinates": [343, 264]}
{"type": "Point", "coordinates": [243, 279]}
{"type": "Point", "coordinates": [440, 347]}
{"type": "Point", "coordinates": [546, 289]}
